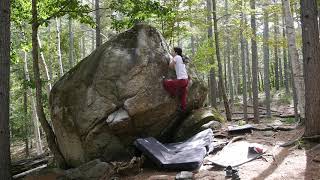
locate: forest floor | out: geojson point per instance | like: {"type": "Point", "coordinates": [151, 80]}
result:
{"type": "Point", "coordinates": [301, 160]}
{"type": "Point", "coordinates": [298, 161]}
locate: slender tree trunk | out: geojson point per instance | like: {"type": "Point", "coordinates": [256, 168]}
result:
{"type": "Point", "coordinates": [51, 139]}
{"type": "Point", "coordinates": [244, 73]}
{"type": "Point", "coordinates": [277, 65]}
{"type": "Point", "coordinates": [266, 63]}
{"type": "Point", "coordinates": [216, 35]}
{"type": "Point", "coordinates": [192, 42]}
{"type": "Point", "coordinates": [296, 65]}
{"type": "Point", "coordinates": [285, 60]}
{"type": "Point", "coordinates": [4, 89]}
{"type": "Point", "coordinates": [228, 54]}
{"type": "Point", "coordinates": [98, 24]}
{"type": "Point", "coordinates": [254, 63]}
{"type": "Point", "coordinates": [26, 121]}
{"type": "Point", "coordinates": [235, 65]}
{"type": "Point", "coordinates": [83, 46]}
{"type": "Point", "coordinates": [35, 119]}
{"type": "Point", "coordinates": [93, 31]}
{"type": "Point", "coordinates": [225, 70]}
{"type": "Point", "coordinates": [71, 44]}
{"type": "Point", "coordinates": [46, 69]}
{"type": "Point", "coordinates": [59, 47]}
{"type": "Point", "coordinates": [311, 62]}
{"type": "Point", "coordinates": [249, 72]}
{"type": "Point", "coordinates": [212, 80]}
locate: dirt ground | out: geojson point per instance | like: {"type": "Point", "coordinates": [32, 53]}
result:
{"type": "Point", "coordinates": [298, 161]}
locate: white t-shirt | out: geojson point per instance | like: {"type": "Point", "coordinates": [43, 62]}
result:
{"type": "Point", "coordinates": [180, 68]}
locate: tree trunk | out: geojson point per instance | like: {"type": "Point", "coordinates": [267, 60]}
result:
{"type": "Point", "coordinates": [4, 89]}
{"type": "Point", "coordinates": [71, 44]}
{"type": "Point", "coordinates": [51, 139]}
{"type": "Point", "coordinates": [235, 66]}
{"type": "Point", "coordinates": [254, 63]}
{"type": "Point", "coordinates": [26, 121]}
{"type": "Point", "coordinates": [285, 59]}
{"type": "Point", "coordinates": [212, 78]}
{"type": "Point", "coordinates": [59, 47]}
{"type": "Point", "coordinates": [228, 54]}
{"type": "Point", "coordinates": [35, 119]}
{"type": "Point", "coordinates": [229, 71]}
{"type": "Point", "coordinates": [249, 73]}
{"type": "Point", "coordinates": [296, 65]}
{"type": "Point", "coordinates": [277, 65]}
{"type": "Point", "coordinates": [193, 51]}
{"type": "Point", "coordinates": [46, 69]}
{"type": "Point", "coordinates": [311, 62]}
{"type": "Point", "coordinates": [266, 62]}
{"type": "Point", "coordinates": [230, 84]}
{"type": "Point", "coordinates": [216, 35]}
{"type": "Point", "coordinates": [244, 75]}
{"type": "Point", "coordinates": [98, 24]}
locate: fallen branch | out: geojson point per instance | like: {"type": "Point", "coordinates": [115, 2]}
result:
{"type": "Point", "coordinates": [237, 138]}
{"type": "Point", "coordinates": [285, 116]}
{"type": "Point", "coordinates": [262, 108]}
{"type": "Point", "coordinates": [274, 128]}
{"type": "Point", "coordinates": [249, 118]}
{"type": "Point", "coordinates": [24, 165]}
{"type": "Point", "coordinates": [23, 174]}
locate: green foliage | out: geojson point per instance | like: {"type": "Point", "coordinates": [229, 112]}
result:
{"type": "Point", "coordinates": [204, 53]}
{"type": "Point", "coordinates": [49, 9]}
{"type": "Point", "coordinates": [290, 120]}
{"type": "Point", "coordinates": [127, 12]}
{"type": "Point", "coordinates": [285, 99]}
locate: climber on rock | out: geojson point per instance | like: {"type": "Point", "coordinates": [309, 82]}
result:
{"type": "Point", "coordinates": [178, 87]}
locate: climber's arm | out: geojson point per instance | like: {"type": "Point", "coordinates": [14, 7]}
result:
{"type": "Point", "coordinates": [172, 63]}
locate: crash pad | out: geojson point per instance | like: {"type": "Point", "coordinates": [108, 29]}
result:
{"type": "Point", "coordinates": [186, 155]}
{"type": "Point", "coordinates": [236, 154]}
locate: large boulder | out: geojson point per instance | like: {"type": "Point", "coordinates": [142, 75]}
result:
{"type": "Point", "coordinates": [197, 121]}
{"type": "Point", "coordinates": [115, 95]}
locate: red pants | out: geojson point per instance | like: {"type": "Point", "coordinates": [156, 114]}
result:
{"type": "Point", "coordinates": [177, 87]}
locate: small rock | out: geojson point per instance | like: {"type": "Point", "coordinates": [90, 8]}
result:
{"type": "Point", "coordinates": [184, 175]}
{"type": "Point", "coordinates": [214, 125]}
{"type": "Point", "coordinates": [91, 170]}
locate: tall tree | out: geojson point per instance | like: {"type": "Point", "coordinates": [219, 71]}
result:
{"type": "Point", "coordinates": [266, 61]}
{"type": "Point", "coordinates": [35, 119]}
{"type": "Point", "coordinates": [230, 84]}
{"type": "Point", "coordinates": [216, 36]}
{"type": "Point", "coordinates": [45, 66]}
{"type": "Point", "coordinates": [51, 139]}
{"type": "Point", "coordinates": [4, 89]}
{"type": "Point", "coordinates": [249, 73]}
{"type": "Point", "coordinates": [98, 24]}
{"type": "Point", "coordinates": [297, 70]}
{"type": "Point", "coordinates": [277, 60]}
{"type": "Point", "coordinates": [71, 44]}
{"type": "Point", "coordinates": [243, 65]}
{"type": "Point", "coordinates": [311, 62]}
{"type": "Point", "coordinates": [58, 25]}
{"type": "Point", "coordinates": [212, 76]}
{"type": "Point", "coordinates": [254, 63]}
{"type": "Point", "coordinates": [285, 59]}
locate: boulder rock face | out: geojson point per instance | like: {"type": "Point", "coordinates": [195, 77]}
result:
{"type": "Point", "coordinates": [197, 121]}
{"type": "Point", "coordinates": [115, 95]}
